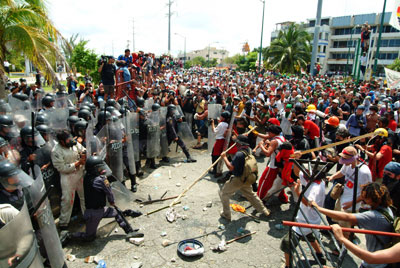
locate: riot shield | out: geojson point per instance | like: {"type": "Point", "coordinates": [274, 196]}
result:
{"type": "Point", "coordinates": [134, 131]}
{"type": "Point", "coordinates": [72, 100]}
{"type": "Point", "coordinates": [58, 118]}
{"type": "Point", "coordinates": [21, 112]}
{"type": "Point", "coordinates": [50, 176]}
{"type": "Point", "coordinates": [153, 134]}
{"type": "Point", "coordinates": [148, 103]}
{"type": "Point", "coordinates": [122, 196]}
{"type": "Point", "coordinates": [61, 100]}
{"type": "Point", "coordinates": [184, 131]}
{"type": "Point", "coordinates": [214, 112]}
{"type": "Point", "coordinates": [98, 143]}
{"type": "Point", "coordinates": [114, 157]}
{"type": "Point", "coordinates": [163, 132]}
{"type": "Point", "coordinates": [45, 220]}
{"type": "Point", "coordinates": [18, 237]}
{"type": "Point", "coordinates": [128, 151]}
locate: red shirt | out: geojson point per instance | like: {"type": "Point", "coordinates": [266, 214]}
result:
{"type": "Point", "coordinates": [386, 151]}
{"type": "Point", "coordinates": [313, 129]}
{"type": "Point", "coordinates": [392, 125]}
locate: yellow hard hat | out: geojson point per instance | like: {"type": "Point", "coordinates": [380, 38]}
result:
{"type": "Point", "coordinates": [381, 132]}
{"type": "Point", "coordinates": [310, 108]}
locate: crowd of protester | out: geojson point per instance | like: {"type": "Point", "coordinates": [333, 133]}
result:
{"type": "Point", "coordinates": [290, 114]}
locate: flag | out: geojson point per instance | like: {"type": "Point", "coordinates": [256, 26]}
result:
{"type": "Point", "coordinates": [395, 18]}
{"type": "Point", "coordinates": [392, 78]}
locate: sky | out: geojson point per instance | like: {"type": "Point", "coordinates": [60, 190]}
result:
{"type": "Point", "coordinates": [224, 24]}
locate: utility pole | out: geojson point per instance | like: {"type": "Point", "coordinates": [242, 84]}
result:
{"type": "Point", "coordinates": [316, 37]}
{"type": "Point", "coordinates": [127, 46]}
{"type": "Point", "coordinates": [133, 35]}
{"type": "Point", "coordinates": [169, 26]}
{"type": "Point", "coordinates": [379, 38]}
{"type": "Point", "coordinates": [112, 47]}
{"type": "Point", "coordinates": [262, 30]}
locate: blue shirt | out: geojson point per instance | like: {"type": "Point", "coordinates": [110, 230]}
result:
{"type": "Point", "coordinates": [352, 125]}
{"type": "Point", "coordinates": [128, 59]}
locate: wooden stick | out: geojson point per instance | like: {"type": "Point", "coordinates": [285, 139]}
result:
{"type": "Point", "coordinates": [251, 216]}
{"type": "Point", "coordinates": [350, 230]}
{"type": "Point", "coordinates": [240, 237]}
{"type": "Point", "coordinates": [336, 143]}
{"type": "Point", "coordinates": [157, 200]}
{"type": "Point", "coordinates": [206, 171]}
{"type": "Point", "coordinates": [159, 209]}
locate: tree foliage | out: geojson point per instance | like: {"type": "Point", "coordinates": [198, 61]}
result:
{"type": "Point", "coordinates": [290, 51]}
{"type": "Point", "coordinates": [83, 58]}
{"type": "Point", "coordinates": [246, 63]}
{"type": "Point", "coordinates": [26, 29]}
{"type": "Point", "coordinates": [395, 66]}
{"type": "Point", "coordinates": [200, 61]}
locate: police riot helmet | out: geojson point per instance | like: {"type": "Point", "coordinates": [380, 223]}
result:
{"type": "Point", "coordinates": [96, 166]}
{"type": "Point", "coordinates": [47, 100]}
{"type": "Point", "coordinates": [85, 114]}
{"type": "Point", "coordinates": [140, 102]}
{"type": "Point", "coordinates": [155, 107]}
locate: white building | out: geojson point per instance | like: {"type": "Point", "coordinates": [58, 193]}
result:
{"type": "Point", "coordinates": [339, 34]}
{"type": "Point", "coordinates": [214, 53]}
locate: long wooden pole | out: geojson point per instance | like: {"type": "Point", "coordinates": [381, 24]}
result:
{"type": "Point", "coordinates": [337, 143]}
{"type": "Point", "coordinates": [350, 230]}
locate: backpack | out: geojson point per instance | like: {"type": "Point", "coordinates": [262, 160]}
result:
{"type": "Point", "coordinates": [250, 170]}
{"type": "Point", "coordinates": [395, 222]}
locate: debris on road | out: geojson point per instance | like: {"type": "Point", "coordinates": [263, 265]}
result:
{"type": "Point", "coordinates": [136, 241]}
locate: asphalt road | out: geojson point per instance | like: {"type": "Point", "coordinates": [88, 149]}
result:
{"type": "Point", "coordinates": [198, 220]}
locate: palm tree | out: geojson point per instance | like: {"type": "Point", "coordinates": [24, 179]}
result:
{"type": "Point", "coordinates": [26, 28]}
{"type": "Point", "coordinates": [290, 51]}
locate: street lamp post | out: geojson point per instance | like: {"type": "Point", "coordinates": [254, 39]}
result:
{"type": "Point", "coordinates": [262, 30]}
{"type": "Point", "coordinates": [348, 52]}
{"type": "Point", "coordinates": [184, 48]}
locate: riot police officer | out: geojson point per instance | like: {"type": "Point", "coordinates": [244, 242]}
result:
{"type": "Point", "coordinates": [172, 132]}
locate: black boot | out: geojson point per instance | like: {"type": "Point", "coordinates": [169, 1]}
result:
{"type": "Point", "coordinates": [165, 159]}
{"type": "Point", "coordinates": [138, 172]}
{"type": "Point", "coordinates": [133, 183]}
{"type": "Point", "coordinates": [130, 233]}
{"type": "Point", "coordinates": [132, 213]}
{"type": "Point", "coordinates": [152, 163]}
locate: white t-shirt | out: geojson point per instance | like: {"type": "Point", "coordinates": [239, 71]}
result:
{"type": "Point", "coordinates": [364, 177]}
{"type": "Point", "coordinates": [220, 130]}
{"type": "Point", "coordinates": [6, 64]}
{"type": "Point", "coordinates": [316, 192]}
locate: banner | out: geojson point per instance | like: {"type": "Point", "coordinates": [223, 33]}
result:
{"type": "Point", "coordinates": [395, 18]}
{"type": "Point", "coordinates": [392, 78]}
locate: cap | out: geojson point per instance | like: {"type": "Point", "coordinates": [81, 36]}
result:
{"type": "Point", "coordinates": [274, 129]}
{"type": "Point", "coordinates": [361, 107]}
{"type": "Point", "coordinates": [393, 167]}
{"type": "Point", "coordinates": [348, 152]}
{"type": "Point", "coordinates": [335, 101]}
{"type": "Point", "coordinates": [274, 121]}
{"type": "Point", "coordinates": [289, 106]}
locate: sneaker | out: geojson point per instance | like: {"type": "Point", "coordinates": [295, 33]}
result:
{"type": "Point", "coordinates": [133, 234]}
{"type": "Point", "coordinates": [132, 213]}
{"type": "Point", "coordinates": [165, 159]}
{"type": "Point", "coordinates": [190, 160]}
{"type": "Point", "coordinates": [223, 216]}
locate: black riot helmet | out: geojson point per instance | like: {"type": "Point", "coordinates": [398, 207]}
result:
{"type": "Point", "coordinates": [27, 134]}
{"type": "Point", "coordinates": [47, 101]}
{"type": "Point", "coordinates": [11, 177]}
{"type": "Point", "coordinates": [155, 107]}
{"type": "Point", "coordinates": [122, 101]}
{"type": "Point", "coordinates": [111, 102]}
{"type": "Point", "coordinates": [92, 107]}
{"type": "Point", "coordinates": [42, 119]}
{"type": "Point", "coordinates": [140, 102]}
{"type": "Point", "coordinates": [44, 130]}
{"type": "Point", "coordinates": [104, 116]}
{"type": "Point", "coordinates": [3, 142]}
{"type": "Point", "coordinates": [73, 119]}
{"type": "Point", "coordinates": [7, 127]}
{"type": "Point", "coordinates": [80, 127]}
{"type": "Point", "coordinates": [85, 114]}
{"type": "Point", "coordinates": [72, 111]}
{"type": "Point", "coordinates": [96, 166]}
{"type": "Point", "coordinates": [84, 107]}
{"type": "Point", "coordinates": [21, 96]}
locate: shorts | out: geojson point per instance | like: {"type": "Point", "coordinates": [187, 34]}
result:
{"type": "Point", "coordinates": [108, 89]}
{"type": "Point", "coordinates": [285, 244]}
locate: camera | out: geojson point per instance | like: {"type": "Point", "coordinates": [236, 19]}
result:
{"type": "Point", "coordinates": [103, 59]}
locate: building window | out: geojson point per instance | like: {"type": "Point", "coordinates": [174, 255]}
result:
{"type": "Point", "coordinates": [324, 50]}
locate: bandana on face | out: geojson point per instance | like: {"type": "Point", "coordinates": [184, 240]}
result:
{"type": "Point", "coordinates": [344, 161]}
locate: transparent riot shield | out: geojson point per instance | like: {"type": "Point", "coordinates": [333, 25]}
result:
{"type": "Point", "coordinates": [134, 131]}
{"type": "Point", "coordinates": [72, 100]}
{"type": "Point", "coordinates": [61, 100]}
{"type": "Point", "coordinates": [153, 134]}
{"type": "Point", "coordinates": [128, 151]}
{"type": "Point", "coordinates": [148, 103]}
{"type": "Point", "coordinates": [114, 157]}
{"type": "Point", "coordinates": [122, 196]}
{"type": "Point", "coordinates": [214, 112]}
{"type": "Point", "coordinates": [45, 220]}
{"type": "Point", "coordinates": [163, 132]}
{"type": "Point", "coordinates": [58, 118]}
{"type": "Point", "coordinates": [21, 112]}
{"type": "Point", "coordinates": [18, 237]}
{"type": "Point", "coordinates": [98, 143]}
{"type": "Point", "coordinates": [184, 131]}
{"type": "Point", "coordinates": [50, 175]}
